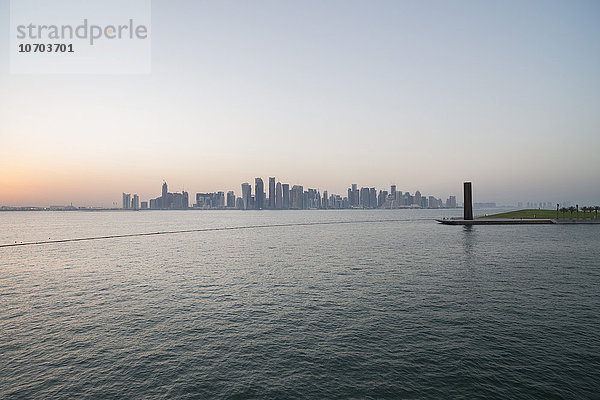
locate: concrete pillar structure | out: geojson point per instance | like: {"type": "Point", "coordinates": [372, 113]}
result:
{"type": "Point", "coordinates": [468, 201]}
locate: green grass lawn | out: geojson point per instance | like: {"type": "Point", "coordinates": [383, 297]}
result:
{"type": "Point", "coordinates": [541, 214]}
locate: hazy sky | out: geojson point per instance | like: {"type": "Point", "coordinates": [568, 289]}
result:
{"type": "Point", "coordinates": [421, 94]}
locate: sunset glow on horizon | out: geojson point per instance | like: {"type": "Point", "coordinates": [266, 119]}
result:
{"type": "Point", "coordinates": [421, 95]}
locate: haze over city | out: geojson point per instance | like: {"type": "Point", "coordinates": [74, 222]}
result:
{"type": "Point", "coordinates": [424, 95]}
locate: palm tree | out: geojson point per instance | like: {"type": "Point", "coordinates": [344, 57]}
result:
{"type": "Point", "coordinates": [563, 210]}
{"type": "Point", "coordinates": [577, 207]}
{"type": "Point", "coordinates": [584, 209]}
{"type": "Point", "coordinates": [571, 210]}
{"type": "Point", "coordinates": [596, 208]}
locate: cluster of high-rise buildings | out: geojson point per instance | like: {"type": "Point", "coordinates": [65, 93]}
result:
{"type": "Point", "coordinates": [166, 201]}
{"type": "Point", "coordinates": [280, 196]}
{"type": "Point", "coordinates": [131, 203]}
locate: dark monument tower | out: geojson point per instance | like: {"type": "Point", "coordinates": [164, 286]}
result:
{"type": "Point", "coordinates": [468, 201]}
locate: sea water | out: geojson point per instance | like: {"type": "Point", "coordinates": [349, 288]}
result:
{"type": "Point", "coordinates": [406, 308]}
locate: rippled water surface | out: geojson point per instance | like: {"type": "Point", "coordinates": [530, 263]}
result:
{"type": "Point", "coordinates": [402, 309]}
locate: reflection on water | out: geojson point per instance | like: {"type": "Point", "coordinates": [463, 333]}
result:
{"type": "Point", "coordinates": [468, 235]}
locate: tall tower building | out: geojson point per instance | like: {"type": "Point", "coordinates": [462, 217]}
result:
{"type": "Point", "coordinates": [285, 202]}
{"type": "Point", "coordinates": [381, 198]}
{"type": "Point", "coordinates": [230, 199]}
{"type": "Point", "coordinates": [165, 196]}
{"type": "Point", "coordinates": [278, 196]}
{"type": "Point", "coordinates": [365, 200]}
{"type": "Point", "coordinates": [259, 194]}
{"type": "Point", "coordinates": [135, 202]}
{"type": "Point", "coordinates": [185, 200]}
{"type": "Point", "coordinates": [246, 194]}
{"type": "Point", "coordinates": [373, 198]}
{"type": "Point", "coordinates": [451, 202]}
{"type": "Point", "coordinates": [272, 193]}
{"type": "Point", "coordinates": [297, 197]}
{"type": "Point", "coordinates": [126, 201]}
{"type": "Point", "coordinates": [417, 199]}
{"type": "Point", "coordinates": [432, 202]}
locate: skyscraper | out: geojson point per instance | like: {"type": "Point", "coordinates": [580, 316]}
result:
{"type": "Point", "coordinates": [381, 198]}
{"type": "Point", "coordinates": [220, 199]}
{"type": "Point", "coordinates": [373, 198]}
{"type": "Point", "coordinates": [451, 202]}
{"type": "Point", "coordinates": [285, 203]}
{"type": "Point", "coordinates": [297, 197]}
{"type": "Point", "coordinates": [278, 196]}
{"type": "Point", "coordinates": [259, 194]}
{"type": "Point", "coordinates": [417, 198]}
{"type": "Point", "coordinates": [272, 193]}
{"type": "Point", "coordinates": [312, 199]}
{"type": "Point", "coordinates": [432, 202]}
{"type": "Point", "coordinates": [126, 201]}
{"type": "Point", "coordinates": [230, 199]}
{"type": "Point", "coordinates": [135, 202]}
{"type": "Point", "coordinates": [246, 194]}
{"type": "Point", "coordinates": [165, 196]}
{"type": "Point", "coordinates": [185, 198]}
{"type": "Point", "coordinates": [365, 199]}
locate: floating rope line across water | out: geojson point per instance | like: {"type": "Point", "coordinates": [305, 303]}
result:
{"type": "Point", "coordinates": [225, 228]}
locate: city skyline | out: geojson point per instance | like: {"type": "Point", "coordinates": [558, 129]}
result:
{"type": "Point", "coordinates": [280, 197]}
{"type": "Point", "coordinates": [282, 190]}
{"type": "Point", "coordinates": [424, 95]}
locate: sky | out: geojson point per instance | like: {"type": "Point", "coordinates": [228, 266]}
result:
{"type": "Point", "coordinates": [421, 94]}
